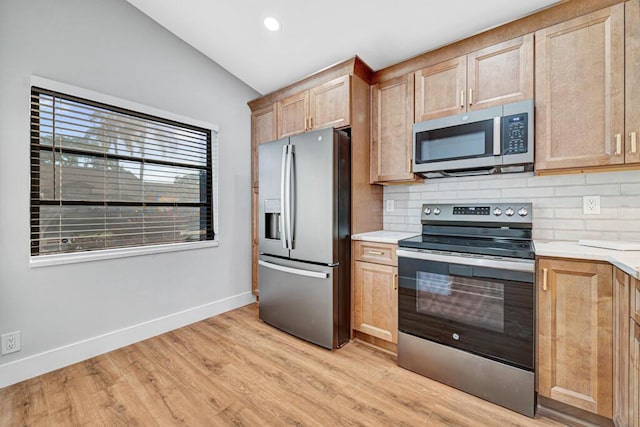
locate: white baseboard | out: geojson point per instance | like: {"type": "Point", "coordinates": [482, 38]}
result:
{"type": "Point", "coordinates": [38, 364]}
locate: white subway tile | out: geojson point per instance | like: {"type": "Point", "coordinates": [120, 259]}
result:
{"type": "Point", "coordinates": [613, 177]}
{"type": "Point", "coordinates": [630, 189]}
{"type": "Point", "coordinates": [609, 225]}
{"type": "Point", "coordinates": [479, 194]}
{"type": "Point", "coordinates": [542, 234]}
{"type": "Point", "coordinates": [556, 180]}
{"type": "Point", "coordinates": [559, 224]}
{"type": "Point", "coordinates": [558, 202]}
{"type": "Point", "coordinates": [503, 183]}
{"type": "Point", "coordinates": [528, 192]}
{"type": "Point", "coordinates": [577, 235]}
{"type": "Point", "coordinates": [629, 236]}
{"type": "Point", "coordinates": [543, 212]}
{"type": "Point", "coordinates": [590, 190]}
{"type": "Point", "coordinates": [577, 213]}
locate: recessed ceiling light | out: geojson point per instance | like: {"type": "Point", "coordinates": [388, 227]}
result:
{"type": "Point", "coordinates": [271, 23]}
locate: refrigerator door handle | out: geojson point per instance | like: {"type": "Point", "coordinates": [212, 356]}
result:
{"type": "Point", "coordinates": [284, 269]}
{"type": "Point", "coordinates": [283, 210]}
{"type": "Point", "coordinates": [291, 195]}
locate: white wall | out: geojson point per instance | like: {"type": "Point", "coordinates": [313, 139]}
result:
{"type": "Point", "coordinates": [557, 202]}
{"type": "Point", "coordinates": [70, 312]}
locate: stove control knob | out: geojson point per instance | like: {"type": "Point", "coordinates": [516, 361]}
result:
{"type": "Point", "coordinates": [497, 211]}
{"type": "Point", "coordinates": [509, 212]}
{"type": "Point", "coordinates": [427, 211]}
{"type": "Point", "coordinates": [523, 212]}
{"type": "Point", "coordinates": [436, 211]}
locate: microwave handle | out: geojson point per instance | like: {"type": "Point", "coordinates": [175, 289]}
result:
{"type": "Point", "coordinates": [496, 137]}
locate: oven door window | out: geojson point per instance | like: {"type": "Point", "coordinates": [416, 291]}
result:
{"type": "Point", "coordinates": [455, 142]}
{"type": "Point", "coordinates": [473, 302]}
{"type": "Point", "coordinates": [482, 310]}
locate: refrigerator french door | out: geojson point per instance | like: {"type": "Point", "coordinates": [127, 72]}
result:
{"type": "Point", "coordinates": [304, 236]}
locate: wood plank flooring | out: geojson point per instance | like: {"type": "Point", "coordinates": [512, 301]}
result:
{"type": "Point", "coordinates": [235, 370]}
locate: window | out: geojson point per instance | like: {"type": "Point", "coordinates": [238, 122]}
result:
{"type": "Point", "coordinates": [105, 177]}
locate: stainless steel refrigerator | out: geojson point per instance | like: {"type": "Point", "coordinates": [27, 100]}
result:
{"type": "Point", "coordinates": [304, 229]}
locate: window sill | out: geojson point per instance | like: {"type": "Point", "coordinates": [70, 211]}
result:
{"type": "Point", "coordinates": [72, 258]}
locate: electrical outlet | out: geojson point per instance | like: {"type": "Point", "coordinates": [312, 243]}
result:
{"type": "Point", "coordinates": [10, 342]}
{"type": "Point", "coordinates": [390, 205]}
{"type": "Point", "coordinates": [591, 205]}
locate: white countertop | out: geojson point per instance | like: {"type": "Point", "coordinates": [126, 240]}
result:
{"type": "Point", "coordinates": [627, 261]}
{"type": "Point", "coordinates": [383, 236]}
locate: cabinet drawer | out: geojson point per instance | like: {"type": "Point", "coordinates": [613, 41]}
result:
{"type": "Point", "coordinates": [635, 300]}
{"type": "Point", "coordinates": [379, 253]}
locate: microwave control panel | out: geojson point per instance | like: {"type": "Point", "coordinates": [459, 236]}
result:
{"type": "Point", "coordinates": [514, 134]}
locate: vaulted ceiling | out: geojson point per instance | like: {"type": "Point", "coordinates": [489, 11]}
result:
{"type": "Point", "coordinates": [315, 35]}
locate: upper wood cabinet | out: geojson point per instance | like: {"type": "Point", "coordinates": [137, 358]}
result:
{"type": "Point", "coordinates": [440, 89]}
{"type": "Point", "coordinates": [263, 129]}
{"type": "Point", "coordinates": [632, 81]}
{"type": "Point", "coordinates": [575, 339]}
{"type": "Point", "coordinates": [326, 105]}
{"type": "Point", "coordinates": [495, 75]}
{"type": "Point", "coordinates": [580, 91]}
{"type": "Point", "coordinates": [392, 130]}
{"type": "Point", "coordinates": [621, 292]}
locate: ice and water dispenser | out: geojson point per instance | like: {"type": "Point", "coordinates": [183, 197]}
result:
{"type": "Point", "coordinates": [272, 219]}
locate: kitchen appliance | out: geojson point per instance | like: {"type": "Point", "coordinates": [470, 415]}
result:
{"type": "Point", "coordinates": [493, 140]}
{"type": "Point", "coordinates": [466, 301]}
{"type": "Point", "coordinates": [304, 235]}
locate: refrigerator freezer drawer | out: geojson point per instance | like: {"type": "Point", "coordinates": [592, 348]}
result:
{"type": "Point", "coordinates": [299, 298]}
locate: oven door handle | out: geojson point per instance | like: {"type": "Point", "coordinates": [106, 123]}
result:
{"type": "Point", "coordinates": [522, 265]}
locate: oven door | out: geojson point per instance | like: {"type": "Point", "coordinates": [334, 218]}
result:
{"type": "Point", "coordinates": [481, 305]}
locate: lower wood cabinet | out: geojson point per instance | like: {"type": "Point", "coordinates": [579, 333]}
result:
{"type": "Point", "coordinates": [375, 295]}
{"type": "Point", "coordinates": [634, 377]}
{"type": "Point", "coordinates": [575, 337]}
{"type": "Point", "coordinates": [621, 342]}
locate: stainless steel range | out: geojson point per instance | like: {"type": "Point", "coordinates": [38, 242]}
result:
{"type": "Point", "coordinates": [466, 301]}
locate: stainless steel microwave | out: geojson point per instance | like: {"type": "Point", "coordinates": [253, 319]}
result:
{"type": "Point", "coordinates": [493, 140]}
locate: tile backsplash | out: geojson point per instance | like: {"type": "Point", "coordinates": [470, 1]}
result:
{"type": "Point", "coordinates": [557, 202]}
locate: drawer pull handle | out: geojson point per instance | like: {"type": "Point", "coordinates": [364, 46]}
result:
{"type": "Point", "coordinates": [545, 274]}
{"type": "Point", "coordinates": [375, 252]}
{"type": "Point", "coordinates": [395, 281]}
{"type": "Point", "coordinates": [462, 99]}
{"type": "Point", "coordinates": [634, 142]}
{"type": "Point", "coordinates": [470, 96]}
{"type": "Point", "coordinates": [618, 144]}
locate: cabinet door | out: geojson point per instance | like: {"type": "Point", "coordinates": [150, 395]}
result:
{"type": "Point", "coordinates": [392, 131]}
{"type": "Point", "coordinates": [376, 300]}
{"type": "Point", "coordinates": [635, 300]}
{"type": "Point", "coordinates": [621, 345]}
{"type": "Point", "coordinates": [634, 380]}
{"type": "Point", "coordinates": [575, 341]}
{"type": "Point", "coordinates": [632, 81]}
{"type": "Point", "coordinates": [440, 89]}
{"type": "Point", "coordinates": [501, 74]}
{"type": "Point", "coordinates": [329, 104]}
{"type": "Point", "coordinates": [263, 129]}
{"type": "Point", "coordinates": [580, 91]}
{"type": "Point", "coordinates": [255, 240]}
{"type": "Point", "coordinates": [293, 114]}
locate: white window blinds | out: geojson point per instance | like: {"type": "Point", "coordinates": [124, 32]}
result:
{"type": "Point", "coordinates": [104, 177]}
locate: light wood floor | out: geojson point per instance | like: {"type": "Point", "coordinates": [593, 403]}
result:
{"type": "Point", "coordinates": [235, 370]}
